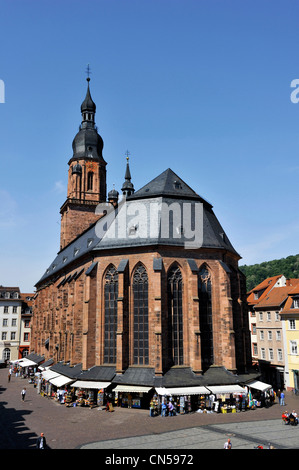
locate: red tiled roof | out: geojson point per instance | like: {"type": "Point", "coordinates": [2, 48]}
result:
{"type": "Point", "coordinates": [267, 284]}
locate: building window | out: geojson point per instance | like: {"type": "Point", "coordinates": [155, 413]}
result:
{"type": "Point", "coordinates": [271, 355]}
{"type": "Point", "coordinates": [278, 335]}
{"type": "Point", "coordinates": [293, 347]}
{"type": "Point", "coordinates": [277, 316]}
{"type": "Point", "coordinates": [111, 295]}
{"type": "Point", "coordinates": [26, 337]}
{"type": "Point", "coordinates": [292, 324]}
{"type": "Point", "coordinates": [13, 335]}
{"type": "Point", "coordinates": [14, 309]}
{"type": "Point", "coordinates": [3, 336]}
{"type": "Point", "coordinates": [6, 309]}
{"type": "Point", "coordinates": [270, 335]}
{"type": "Point", "coordinates": [253, 329]}
{"type": "Point", "coordinates": [6, 354]}
{"type": "Point", "coordinates": [261, 335]}
{"type": "Point", "coordinates": [263, 353]}
{"type": "Point", "coordinates": [175, 315]}
{"type": "Point", "coordinates": [90, 181]}
{"type": "Point", "coordinates": [268, 316]}
{"type": "Point", "coordinates": [5, 322]}
{"type": "Point", "coordinates": [255, 349]}
{"type": "Point", "coordinates": [205, 317]}
{"type": "Point", "coordinates": [140, 306]}
{"type": "Point", "coordinates": [279, 355]}
{"type": "Point", "coordinates": [260, 316]}
{"type": "Point", "coordinates": [14, 322]}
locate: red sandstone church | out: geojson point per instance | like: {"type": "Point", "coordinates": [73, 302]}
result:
{"type": "Point", "coordinates": [145, 289]}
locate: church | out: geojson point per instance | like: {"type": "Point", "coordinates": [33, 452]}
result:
{"type": "Point", "coordinates": [145, 289]}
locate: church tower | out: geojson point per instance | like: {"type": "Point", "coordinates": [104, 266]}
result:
{"type": "Point", "coordinates": [86, 176]}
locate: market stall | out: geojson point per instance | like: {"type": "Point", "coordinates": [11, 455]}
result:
{"type": "Point", "coordinates": [90, 393]}
{"type": "Point", "coordinates": [228, 398]}
{"type": "Point", "coordinates": [184, 399]}
{"type": "Point", "coordinates": [261, 394]}
{"type": "Point", "coordinates": [132, 396]}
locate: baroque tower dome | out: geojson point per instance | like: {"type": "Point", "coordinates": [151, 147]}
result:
{"type": "Point", "coordinates": [87, 142]}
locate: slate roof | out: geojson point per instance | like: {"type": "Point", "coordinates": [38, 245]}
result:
{"type": "Point", "coordinates": [110, 232]}
{"type": "Point", "coordinates": [167, 184]}
{"type": "Point", "coordinates": [71, 372]}
{"type": "Point", "coordinates": [136, 376]}
{"type": "Point", "coordinates": [98, 373]}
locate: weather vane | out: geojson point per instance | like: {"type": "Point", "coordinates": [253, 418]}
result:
{"type": "Point", "coordinates": [128, 153]}
{"type": "Point", "coordinates": [88, 72]}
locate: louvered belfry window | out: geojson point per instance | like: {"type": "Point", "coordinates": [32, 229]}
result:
{"type": "Point", "coordinates": [175, 316]}
{"type": "Point", "coordinates": [205, 317]}
{"type": "Point", "coordinates": [110, 327]}
{"type": "Point", "coordinates": [140, 316]}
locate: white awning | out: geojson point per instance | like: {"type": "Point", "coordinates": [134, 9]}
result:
{"type": "Point", "coordinates": [91, 384]}
{"type": "Point", "coordinates": [49, 374]}
{"type": "Point", "coordinates": [132, 388]}
{"type": "Point", "coordinates": [183, 391]}
{"type": "Point", "coordinates": [223, 389]}
{"type": "Point", "coordinates": [26, 362]}
{"type": "Point", "coordinates": [60, 381]}
{"type": "Point", "coordinates": [259, 385]}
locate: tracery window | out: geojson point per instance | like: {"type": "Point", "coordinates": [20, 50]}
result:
{"type": "Point", "coordinates": [110, 326]}
{"type": "Point", "coordinates": [175, 315]}
{"type": "Point", "coordinates": [205, 317]}
{"type": "Point", "coordinates": [140, 315]}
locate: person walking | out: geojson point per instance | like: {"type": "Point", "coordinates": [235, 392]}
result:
{"type": "Point", "coordinates": [23, 393]}
{"type": "Point", "coordinates": [282, 398]}
{"type": "Point", "coordinates": [41, 441]}
{"type": "Point", "coordinates": [228, 444]}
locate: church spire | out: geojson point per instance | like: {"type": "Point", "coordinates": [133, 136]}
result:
{"type": "Point", "coordinates": [127, 187]}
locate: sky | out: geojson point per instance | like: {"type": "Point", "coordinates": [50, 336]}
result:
{"type": "Point", "coordinates": [204, 87]}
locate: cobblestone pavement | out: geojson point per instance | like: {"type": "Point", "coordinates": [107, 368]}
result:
{"type": "Point", "coordinates": [83, 428]}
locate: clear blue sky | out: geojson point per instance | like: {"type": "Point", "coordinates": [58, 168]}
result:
{"type": "Point", "coordinates": [200, 86]}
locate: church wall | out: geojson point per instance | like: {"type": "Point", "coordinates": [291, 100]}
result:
{"type": "Point", "coordinates": [72, 315]}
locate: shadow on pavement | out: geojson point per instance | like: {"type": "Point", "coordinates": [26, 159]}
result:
{"type": "Point", "coordinates": [14, 434]}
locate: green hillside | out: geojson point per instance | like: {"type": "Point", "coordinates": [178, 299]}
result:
{"type": "Point", "coordinates": [256, 273]}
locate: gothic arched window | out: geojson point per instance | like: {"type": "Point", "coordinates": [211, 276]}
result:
{"type": "Point", "coordinates": [140, 316]}
{"type": "Point", "coordinates": [205, 317]}
{"type": "Point", "coordinates": [110, 322]}
{"type": "Point", "coordinates": [175, 315]}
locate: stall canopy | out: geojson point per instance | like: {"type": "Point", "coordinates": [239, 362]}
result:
{"type": "Point", "coordinates": [183, 391]}
{"type": "Point", "coordinates": [49, 374]}
{"type": "Point", "coordinates": [223, 389]}
{"type": "Point", "coordinates": [60, 381]}
{"type": "Point", "coordinates": [91, 384]}
{"type": "Point", "coordinates": [131, 389]}
{"type": "Point", "coordinates": [26, 363]}
{"type": "Point", "coordinates": [259, 386]}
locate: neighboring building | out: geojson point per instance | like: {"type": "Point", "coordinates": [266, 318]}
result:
{"type": "Point", "coordinates": [266, 304]}
{"type": "Point", "coordinates": [25, 327]}
{"type": "Point", "coordinates": [150, 306]}
{"type": "Point", "coordinates": [15, 317]}
{"type": "Point", "coordinates": [290, 321]}
{"type": "Point", "coordinates": [10, 315]}
{"type": "Point", "coordinates": [253, 298]}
